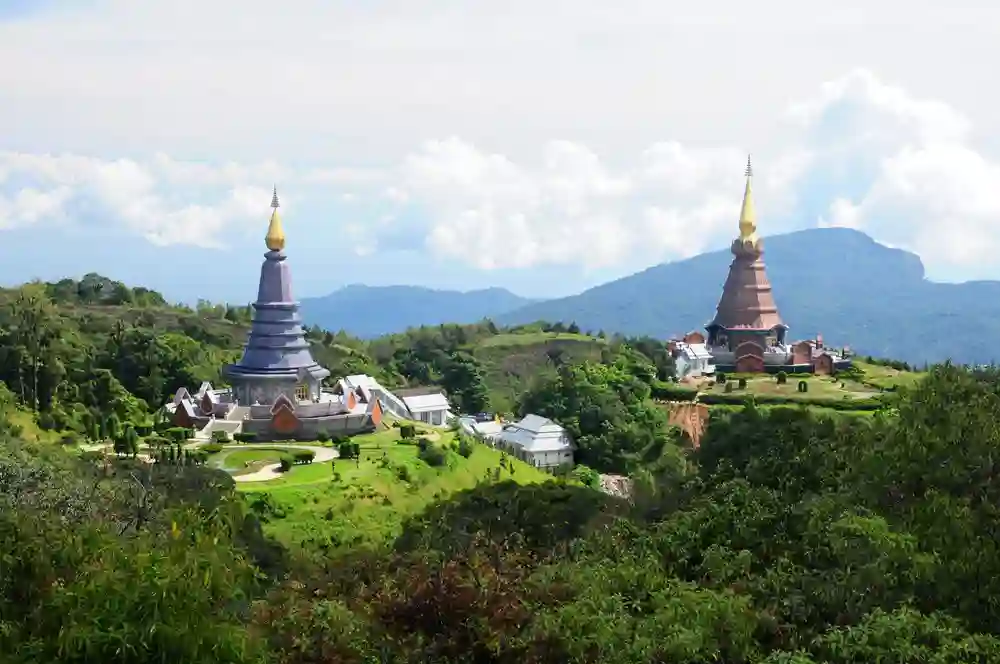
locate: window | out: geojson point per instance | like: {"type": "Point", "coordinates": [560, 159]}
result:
{"type": "Point", "coordinates": [302, 392]}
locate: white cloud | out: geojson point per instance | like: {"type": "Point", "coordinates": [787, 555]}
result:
{"type": "Point", "coordinates": [29, 205]}
{"type": "Point", "coordinates": [859, 153]}
{"type": "Point", "coordinates": [919, 179]}
{"type": "Point", "coordinates": [156, 199]}
{"type": "Point", "coordinates": [244, 78]}
{"type": "Point", "coordinates": [568, 208]}
{"type": "Point", "coordinates": [862, 154]}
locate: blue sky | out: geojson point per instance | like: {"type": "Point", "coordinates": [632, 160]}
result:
{"type": "Point", "coordinates": [539, 147]}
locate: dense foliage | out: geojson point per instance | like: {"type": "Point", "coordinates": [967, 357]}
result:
{"type": "Point", "coordinates": [81, 351]}
{"type": "Point", "coordinates": [789, 536]}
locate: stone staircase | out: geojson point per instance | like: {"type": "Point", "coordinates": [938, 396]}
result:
{"type": "Point", "coordinates": [231, 425]}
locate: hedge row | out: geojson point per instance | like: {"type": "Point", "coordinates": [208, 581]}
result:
{"type": "Point", "coordinates": [778, 400]}
{"type": "Point", "coordinates": [663, 391]}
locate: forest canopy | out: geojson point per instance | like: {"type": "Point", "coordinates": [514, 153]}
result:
{"type": "Point", "coordinates": [791, 535]}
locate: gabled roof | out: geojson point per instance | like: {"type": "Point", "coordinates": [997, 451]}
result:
{"type": "Point", "coordinates": [362, 380]}
{"type": "Point", "coordinates": [537, 424]}
{"type": "Point", "coordinates": [282, 401]}
{"type": "Point", "coordinates": [488, 428]}
{"type": "Point", "coordinates": [423, 403]}
{"type": "Point", "coordinates": [181, 394]}
{"type": "Point", "coordinates": [188, 408]}
{"type": "Point", "coordinates": [694, 351]}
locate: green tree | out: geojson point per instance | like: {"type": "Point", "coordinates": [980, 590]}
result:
{"type": "Point", "coordinates": [131, 440]}
{"type": "Point", "coordinates": [463, 380]}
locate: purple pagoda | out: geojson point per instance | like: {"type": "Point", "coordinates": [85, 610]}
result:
{"type": "Point", "coordinates": [277, 387]}
{"type": "Point", "coordinates": [276, 359]}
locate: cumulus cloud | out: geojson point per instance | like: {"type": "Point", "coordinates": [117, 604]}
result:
{"type": "Point", "coordinates": [913, 175]}
{"type": "Point", "coordinates": [29, 205]}
{"type": "Point", "coordinates": [570, 207]}
{"type": "Point", "coordinates": [860, 153]}
{"type": "Point", "coordinates": [162, 199]}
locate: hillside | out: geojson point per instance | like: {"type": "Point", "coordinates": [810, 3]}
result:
{"type": "Point", "coordinates": [373, 498]}
{"type": "Point", "coordinates": [791, 534]}
{"type": "Point", "coordinates": [98, 330]}
{"type": "Point", "coordinates": [511, 362]}
{"type": "Point", "coordinates": [370, 311]}
{"type": "Point", "coordinates": [833, 281]}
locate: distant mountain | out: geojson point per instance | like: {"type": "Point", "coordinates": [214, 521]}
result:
{"type": "Point", "coordinates": [834, 281]}
{"type": "Point", "coordinates": [371, 311]}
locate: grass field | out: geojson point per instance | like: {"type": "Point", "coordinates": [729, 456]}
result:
{"type": "Point", "coordinates": [878, 376]}
{"type": "Point", "coordinates": [373, 495]}
{"type": "Point", "coordinates": [819, 387]}
{"type": "Point", "coordinates": [240, 461]}
{"type": "Point", "coordinates": [531, 338]}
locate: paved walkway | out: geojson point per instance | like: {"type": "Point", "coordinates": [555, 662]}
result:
{"type": "Point", "coordinates": [273, 471]}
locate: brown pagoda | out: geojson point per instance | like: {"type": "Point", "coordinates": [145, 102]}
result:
{"type": "Point", "coordinates": [746, 327]}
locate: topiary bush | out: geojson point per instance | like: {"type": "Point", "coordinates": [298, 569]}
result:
{"type": "Point", "coordinates": [348, 450]}
{"type": "Point", "coordinates": [322, 436]}
{"type": "Point", "coordinates": [728, 388]}
{"type": "Point", "coordinates": [803, 386]}
{"type": "Point", "coordinates": [465, 447]}
{"type": "Point", "coordinates": [743, 383]}
{"type": "Point", "coordinates": [781, 377]}
{"type": "Point", "coordinates": [407, 431]}
{"type": "Point", "coordinates": [178, 434]}
{"type": "Point", "coordinates": [220, 437]}
{"type": "Point", "coordinates": [211, 448]}
{"type": "Point", "coordinates": [303, 456]}
{"type": "Point", "coordinates": [245, 437]}
{"type": "Point", "coordinates": [285, 462]}
{"type": "Point", "coordinates": [720, 378]}
{"type": "Point", "coordinates": [433, 456]}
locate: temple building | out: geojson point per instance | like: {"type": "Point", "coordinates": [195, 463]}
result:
{"type": "Point", "coordinates": [748, 334]}
{"type": "Point", "coordinates": [277, 387]}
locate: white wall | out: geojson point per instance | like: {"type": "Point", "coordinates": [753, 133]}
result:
{"type": "Point", "coordinates": [550, 459]}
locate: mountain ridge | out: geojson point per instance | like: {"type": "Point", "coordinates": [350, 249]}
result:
{"type": "Point", "coordinates": [837, 282]}
{"type": "Point", "coordinates": [372, 311]}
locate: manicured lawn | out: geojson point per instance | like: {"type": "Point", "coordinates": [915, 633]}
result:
{"type": "Point", "coordinates": [531, 338]}
{"type": "Point", "coordinates": [373, 495]}
{"type": "Point", "coordinates": [235, 459]}
{"type": "Point", "coordinates": [888, 378]}
{"type": "Point", "coordinates": [819, 387]}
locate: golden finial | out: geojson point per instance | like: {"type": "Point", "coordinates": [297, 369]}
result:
{"type": "Point", "coordinates": [748, 217]}
{"type": "Point", "coordinates": [275, 238]}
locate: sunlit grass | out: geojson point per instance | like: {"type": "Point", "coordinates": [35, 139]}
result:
{"type": "Point", "coordinates": [366, 501]}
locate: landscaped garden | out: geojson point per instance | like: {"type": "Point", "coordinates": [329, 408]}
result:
{"type": "Point", "coordinates": [366, 499]}
{"type": "Point", "coordinates": [240, 460]}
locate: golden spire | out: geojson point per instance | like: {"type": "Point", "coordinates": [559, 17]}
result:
{"type": "Point", "coordinates": [275, 238]}
{"type": "Point", "coordinates": [748, 217]}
